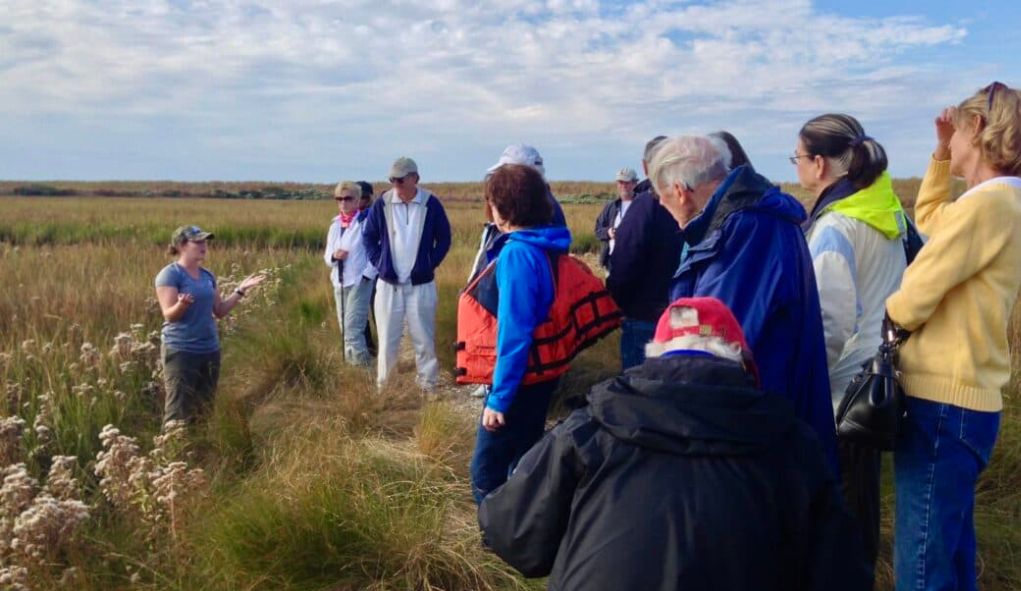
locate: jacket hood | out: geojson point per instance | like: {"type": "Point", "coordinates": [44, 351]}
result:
{"type": "Point", "coordinates": [743, 188]}
{"type": "Point", "coordinates": [691, 406]}
{"type": "Point", "coordinates": [876, 205]}
{"type": "Point", "coordinates": [555, 238]}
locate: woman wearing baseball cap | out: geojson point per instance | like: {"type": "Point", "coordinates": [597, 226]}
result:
{"type": "Point", "coordinates": [190, 344]}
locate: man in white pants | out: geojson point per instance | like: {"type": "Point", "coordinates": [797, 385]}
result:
{"type": "Point", "coordinates": [406, 236]}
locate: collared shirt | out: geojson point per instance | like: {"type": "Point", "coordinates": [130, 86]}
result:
{"type": "Point", "coordinates": [408, 218]}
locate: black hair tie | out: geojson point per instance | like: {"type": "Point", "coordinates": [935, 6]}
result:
{"type": "Point", "coordinates": [859, 140]}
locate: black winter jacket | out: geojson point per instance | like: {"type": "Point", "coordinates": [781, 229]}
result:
{"type": "Point", "coordinates": [679, 475]}
{"type": "Point", "coordinates": [645, 257]}
{"type": "Point", "coordinates": [603, 225]}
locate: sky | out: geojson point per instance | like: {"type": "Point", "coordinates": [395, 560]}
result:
{"type": "Point", "coordinates": [317, 90]}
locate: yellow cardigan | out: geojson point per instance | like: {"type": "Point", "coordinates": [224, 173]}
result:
{"type": "Point", "coordinates": [958, 294]}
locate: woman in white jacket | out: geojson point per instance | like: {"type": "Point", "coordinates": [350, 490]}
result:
{"type": "Point", "coordinates": [856, 236]}
{"type": "Point", "coordinates": [350, 271]}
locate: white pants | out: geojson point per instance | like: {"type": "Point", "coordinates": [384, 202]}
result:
{"type": "Point", "coordinates": [417, 304]}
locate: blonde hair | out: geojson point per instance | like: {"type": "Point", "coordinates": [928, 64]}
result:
{"type": "Point", "coordinates": [348, 186]}
{"type": "Point", "coordinates": [999, 138]}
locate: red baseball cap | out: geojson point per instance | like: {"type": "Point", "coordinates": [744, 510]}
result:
{"type": "Point", "coordinates": [701, 324]}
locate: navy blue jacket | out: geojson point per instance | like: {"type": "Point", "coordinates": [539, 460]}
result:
{"type": "Point", "coordinates": [558, 212]}
{"type": "Point", "coordinates": [431, 250]}
{"type": "Point", "coordinates": [646, 187]}
{"type": "Point", "coordinates": [747, 249]}
{"type": "Point", "coordinates": [644, 259]}
{"type": "Point", "coordinates": [603, 225]}
{"type": "Point", "coordinates": [678, 475]}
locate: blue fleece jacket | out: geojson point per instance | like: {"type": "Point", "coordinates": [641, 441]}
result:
{"type": "Point", "coordinates": [747, 249]}
{"type": "Point", "coordinates": [431, 250]}
{"type": "Point", "coordinates": [524, 281]}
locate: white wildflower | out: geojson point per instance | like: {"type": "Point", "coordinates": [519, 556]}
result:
{"type": "Point", "coordinates": [14, 578]}
{"type": "Point", "coordinates": [11, 445]}
{"type": "Point", "coordinates": [61, 482]}
{"type": "Point", "coordinates": [122, 345]}
{"type": "Point", "coordinates": [90, 356]}
{"type": "Point", "coordinates": [47, 526]}
{"type": "Point", "coordinates": [17, 491]}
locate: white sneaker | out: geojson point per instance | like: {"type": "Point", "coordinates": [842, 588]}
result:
{"type": "Point", "coordinates": [480, 392]}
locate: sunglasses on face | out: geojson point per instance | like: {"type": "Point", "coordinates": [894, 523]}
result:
{"type": "Point", "coordinates": [398, 180]}
{"type": "Point", "coordinates": [344, 198]}
{"type": "Point", "coordinates": [794, 159]}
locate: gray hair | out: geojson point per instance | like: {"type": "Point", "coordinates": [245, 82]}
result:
{"type": "Point", "coordinates": [723, 149]}
{"type": "Point", "coordinates": [691, 161]}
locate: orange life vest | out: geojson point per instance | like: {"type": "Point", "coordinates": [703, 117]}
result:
{"type": "Point", "coordinates": [582, 312]}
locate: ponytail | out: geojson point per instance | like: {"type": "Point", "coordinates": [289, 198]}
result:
{"type": "Point", "coordinates": [868, 162]}
{"type": "Point", "coordinates": [841, 140]}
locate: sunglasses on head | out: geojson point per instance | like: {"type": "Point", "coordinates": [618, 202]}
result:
{"type": "Point", "coordinates": [991, 94]}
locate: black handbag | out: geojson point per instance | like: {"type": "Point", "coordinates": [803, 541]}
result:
{"type": "Point", "coordinates": [873, 404]}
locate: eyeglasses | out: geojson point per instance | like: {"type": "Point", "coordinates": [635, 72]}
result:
{"type": "Point", "coordinates": [794, 159]}
{"type": "Point", "coordinates": [991, 93]}
{"type": "Point", "coordinates": [397, 180]}
{"type": "Point", "coordinates": [344, 198]}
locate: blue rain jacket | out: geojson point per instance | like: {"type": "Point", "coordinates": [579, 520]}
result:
{"type": "Point", "coordinates": [747, 249]}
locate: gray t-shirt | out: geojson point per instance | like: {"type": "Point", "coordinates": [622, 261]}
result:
{"type": "Point", "coordinates": [195, 332]}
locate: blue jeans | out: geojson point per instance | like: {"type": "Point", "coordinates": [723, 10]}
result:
{"type": "Point", "coordinates": [353, 317]}
{"type": "Point", "coordinates": [496, 453]}
{"type": "Point", "coordinates": [634, 335]}
{"type": "Point", "coordinates": [940, 453]}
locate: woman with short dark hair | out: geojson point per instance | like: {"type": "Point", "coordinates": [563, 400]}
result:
{"type": "Point", "coordinates": [514, 415]}
{"type": "Point", "coordinates": [190, 304]}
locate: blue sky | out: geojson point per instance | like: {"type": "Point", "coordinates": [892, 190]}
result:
{"type": "Point", "coordinates": [314, 90]}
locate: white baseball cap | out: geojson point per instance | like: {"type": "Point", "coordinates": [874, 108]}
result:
{"type": "Point", "coordinates": [627, 175]}
{"type": "Point", "coordinates": [520, 154]}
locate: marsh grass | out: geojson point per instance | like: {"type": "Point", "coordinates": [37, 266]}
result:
{"type": "Point", "coordinates": [364, 513]}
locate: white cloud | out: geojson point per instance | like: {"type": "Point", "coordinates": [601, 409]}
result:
{"type": "Point", "coordinates": [247, 76]}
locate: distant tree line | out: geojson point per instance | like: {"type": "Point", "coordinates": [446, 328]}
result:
{"type": "Point", "coordinates": [266, 192]}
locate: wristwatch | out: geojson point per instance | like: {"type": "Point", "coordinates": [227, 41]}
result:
{"type": "Point", "coordinates": [239, 291]}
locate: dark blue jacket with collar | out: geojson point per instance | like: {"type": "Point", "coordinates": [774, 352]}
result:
{"type": "Point", "coordinates": [645, 255]}
{"type": "Point", "coordinates": [432, 248]}
{"type": "Point", "coordinates": [747, 248]}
